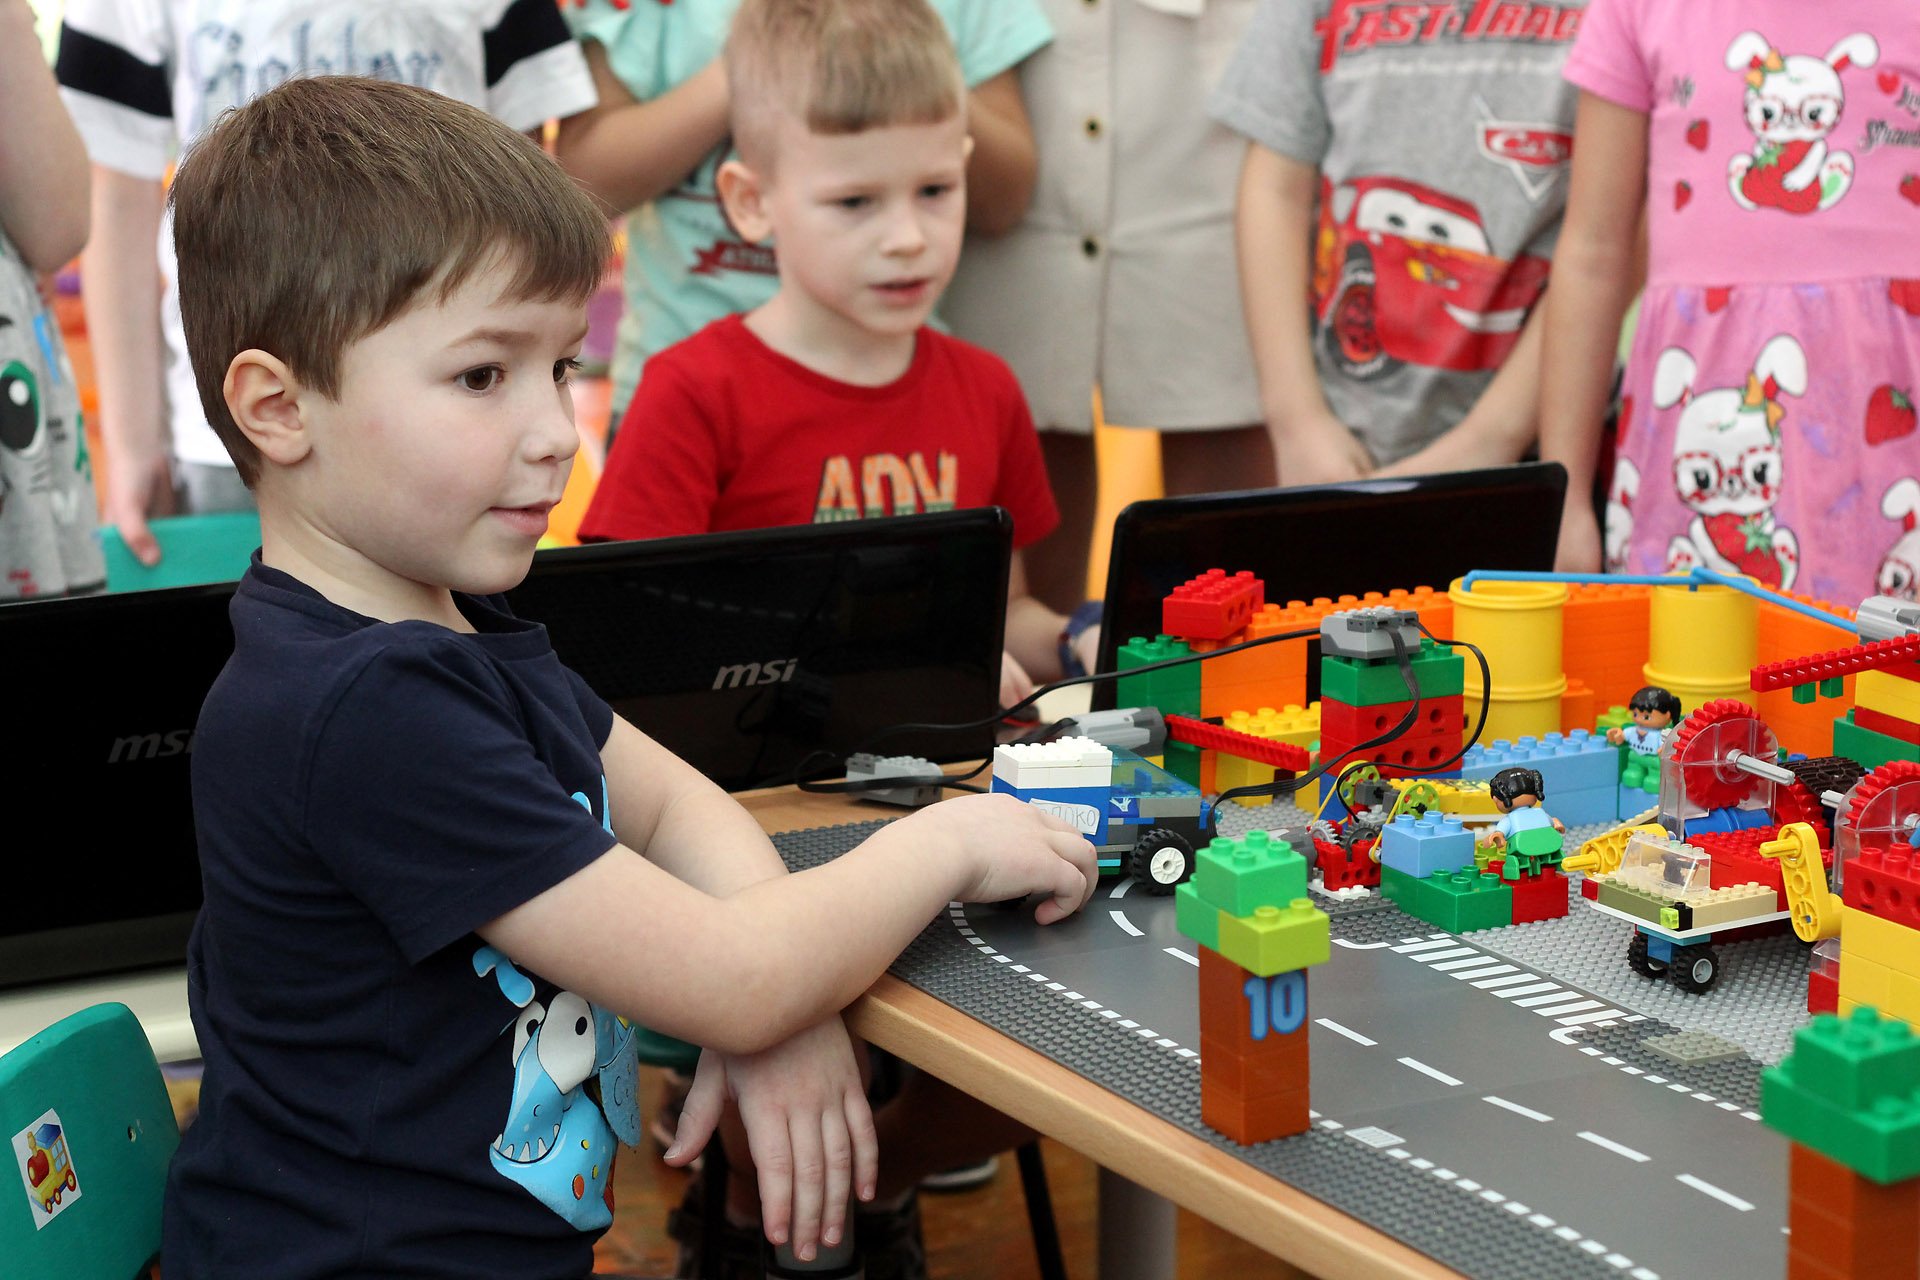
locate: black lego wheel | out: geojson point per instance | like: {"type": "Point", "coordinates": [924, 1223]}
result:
{"type": "Point", "coordinates": [1161, 859]}
{"type": "Point", "coordinates": [1640, 962]}
{"type": "Point", "coordinates": [1694, 969]}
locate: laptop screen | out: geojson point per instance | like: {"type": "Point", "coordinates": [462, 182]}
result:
{"type": "Point", "coordinates": [741, 652]}
{"type": "Point", "coordinates": [1329, 540]}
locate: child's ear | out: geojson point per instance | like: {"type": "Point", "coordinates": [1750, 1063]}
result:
{"type": "Point", "coordinates": [264, 398]}
{"type": "Point", "coordinates": [743, 195]}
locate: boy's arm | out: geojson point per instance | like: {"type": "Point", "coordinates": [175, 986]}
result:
{"type": "Point", "coordinates": [43, 163]}
{"type": "Point", "coordinates": [1596, 271]}
{"type": "Point", "coordinates": [627, 152]}
{"type": "Point", "coordinates": [120, 285]}
{"type": "Point", "coordinates": [687, 826]}
{"type": "Point", "coordinates": [1033, 630]}
{"type": "Point", "coordinates": [1501, 424]}
{"type": "Point", "coordinates": [1273, 229]}
{"type": "Point", "coordinates": [1005, 161]}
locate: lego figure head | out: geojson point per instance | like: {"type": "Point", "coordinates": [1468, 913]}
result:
{"type": "Point", "coordinates": [1654, 708]}
{"type": "Point", "coordinates": [1517, 788]}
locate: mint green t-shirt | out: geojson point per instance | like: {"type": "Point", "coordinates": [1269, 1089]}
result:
{"type": "Point", "coordinates": [685, 266]}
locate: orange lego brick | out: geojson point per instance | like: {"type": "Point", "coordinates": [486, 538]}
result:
{"type": "Point", "coordinates": [1224, 1013]}
{"type": "Point", "coordinates": [1251, 1120]}
{"type": "Point", "coordinates": [1277, 1064]}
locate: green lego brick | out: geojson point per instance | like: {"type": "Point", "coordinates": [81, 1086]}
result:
{"type": "Point", "coordinates": [1632, 899]}
{"type": "Point", "coordinates": [1537, 842]}
{"type": "Point", "coordinates": [1871, 749]}
{"type": "Point", "coordinates": [1804, 693]}
{"type": "Point", "coordinates": [1615, 717]}
{"type": "Point", "coordinates": [1833, 687]}
{"type": "Point", "coordinates": [1195, 917]}
{"type": "Point", "coordinates": [1436, 669]}
{"type": "Point", "coordinates": [1277, 939]}
{"type": "Point", "coordinates": [1182, 761]}
{"type": "Point", "coordinates": [1858, 1059]}
{"type": "Point", "coordinates": [1175, 690]}
{"type": "Point", "coordinates": [1455, 902]}
{"type": "Point", "coordinates": [1238, 876]}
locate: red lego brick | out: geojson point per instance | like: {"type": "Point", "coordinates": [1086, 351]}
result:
{"type": "Point", "coordinates": [1405, 756]}
{"type": "Point", "coordinates": [1885, 882]}
{"type": "Point", "coordinates": [1341, 869]}
{"type": "Point", "coordinates": [1276, 1064]}
{"type": "Point", "coordinates": [1737, 860]}
{"type": "Point", "coordinates": [1251, 1120]}
{"type": "Point", "coordinates": [1823, 992]}
{"type": "Point", "coordinates": [1212, 606]}
{"type": "Point", "coordinates": [1539, 897]}
{"type": "Point", "coordinates": [1345, 723]}
{"type": "Point", "coordinates": [1881, 722]}
{"type": "Point", "coordinates": [1876, 655]}
{"type": "Point", "coordinates": [1590, 888]}
{"type": "Point", "coordinates": [1269, 751]}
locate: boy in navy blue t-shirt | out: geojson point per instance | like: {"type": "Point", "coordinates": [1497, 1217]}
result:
{"type": "Point", "coordinates": [442, 878]}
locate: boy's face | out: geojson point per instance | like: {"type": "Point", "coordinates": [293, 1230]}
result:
{"type": "Point", "coordinates": [448, 446]}
{"type": "Point", "coordinates": [868, 225]}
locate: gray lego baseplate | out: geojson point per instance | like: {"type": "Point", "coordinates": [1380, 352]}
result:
{"type": "Point", "coordinates": [1367, 1169]}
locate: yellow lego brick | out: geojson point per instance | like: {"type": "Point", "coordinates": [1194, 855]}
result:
{"type": "Point", "coordinates": [1888, 694]}
{"type": "Point", "coordinates": [1862, 981]}
{"type": "Point", "coordinates": [1465, 798]}
{"type": "Point", "coordinates": [1884, 942]}
{"type": "Point", "coordinates": [1291, 725]}
{"type": "Point", "coordinates": [1734, 902]}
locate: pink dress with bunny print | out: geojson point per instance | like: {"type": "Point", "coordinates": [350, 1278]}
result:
{"type": "Point", "coordinates": [1767, 422]}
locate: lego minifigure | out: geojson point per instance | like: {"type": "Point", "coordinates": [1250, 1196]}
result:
{"type": "Point", "coordinates": [1654, 711]}
{"type": "Point", "coordinates": [1527, 833]}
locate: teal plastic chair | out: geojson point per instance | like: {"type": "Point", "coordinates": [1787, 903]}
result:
{"type": "Point", "coordinates": [84, 1111]}
{"type": "Point", "coordinates": [193, 550]}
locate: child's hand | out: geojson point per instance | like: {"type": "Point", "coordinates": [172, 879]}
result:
{"type": "Point", "coordinates": [808, 1126]}
{"type": "Point", "coordinates": [1319, 449]}
{"type": "Point", "coordinates": [138, 488]}
{"type": "Point", "coordinates": [1015, 683]}
{"type": "Point", "coordinates": [1579, 548]}
{"type": "Point", "coordinates": [1013, 849]}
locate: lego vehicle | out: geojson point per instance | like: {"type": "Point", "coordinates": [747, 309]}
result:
{"type": "Point", "coordinates": [1405, 274]}
{"type": "Point", "coordinates": [1664, 888]}
{"type": "Point", "coordinates": [1140, 818]}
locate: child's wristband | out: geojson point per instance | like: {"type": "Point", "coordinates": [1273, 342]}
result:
{"type": "Point", "coordinates": [1086, 615]}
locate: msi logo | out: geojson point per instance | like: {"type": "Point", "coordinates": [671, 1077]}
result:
{"type": "Point", "coordinates": [744, 674]}
{"type": "Point", "coordinates": [150, 746]}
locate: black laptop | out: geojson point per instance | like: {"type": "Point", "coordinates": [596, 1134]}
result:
{"type": "Point", "coordinates": [741, 652]}
{"type": "Point", "coordinates": [1329, 540]}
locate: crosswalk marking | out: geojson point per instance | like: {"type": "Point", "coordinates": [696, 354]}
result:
{"type": "Point", "coordinates": [1526, 990]}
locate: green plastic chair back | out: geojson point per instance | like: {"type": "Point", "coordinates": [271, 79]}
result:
{"type": "Point", "coordinates": [658, 1050]}
{"type": "Point", "coordinates": [193, 550]}
{"type": "Point", "coordinates": [84, 1111]}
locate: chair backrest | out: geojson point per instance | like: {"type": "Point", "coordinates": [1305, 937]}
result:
{"type": "Point", "coordinates": [88, 1132]}
{"type": "Point", "coordinates": [213, 547]}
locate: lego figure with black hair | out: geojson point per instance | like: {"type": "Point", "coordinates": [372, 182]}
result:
{"type": "Point", "coordinates": [1529, 836]}
{"type": "Point", "coordinates": [1654, 712]}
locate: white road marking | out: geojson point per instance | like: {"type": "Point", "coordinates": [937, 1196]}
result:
{"type": "Point", "coordinates": [1598, 1015]}
{"type": "Point", "coordinates": [1485, 971]}
{"type": "Point", "coordinates": [1558, 993]}
{"type": "Point", "coordinates": [1425, 944]}
{"type": "Point", "coordinates": [1724, 1197]}
{"type": "Point", "coordinates": [1120, 918]}
{"type": "Point", "coordinates": [1614, 1147]}
{"type": "Point", "coordinates": [1491, 983]}
{"type": "Point", "coordinates": [1577, 1005]}
{"type": "Point", "coordinates": [1517, 1109]}
{"type": "Point", "coordinates": [1424, 1069]}
{"type": "Point", "coordinates": [1178, 954]}
{"type": "Point", "coordinates": [1430, 956]}
{"type": "Point", "coordinates": [1348, 1032]}
{"type": "Point", "coordinates": [1477, 961]}
{"type": "Point", "coordinates": [1120, 890]}
{"type": "Point", "coordinates": [1358, 946]}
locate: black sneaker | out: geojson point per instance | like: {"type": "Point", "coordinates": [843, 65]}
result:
{"type": "Point", "coordinates": [891, 1246]}
{"type": "Point", "coordinates": [964, 1178]}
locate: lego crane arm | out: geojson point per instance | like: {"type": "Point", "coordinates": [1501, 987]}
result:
{"type": "Point", "coordinates": [1814, 907]}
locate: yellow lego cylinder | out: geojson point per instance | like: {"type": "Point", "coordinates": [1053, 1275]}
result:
{"type": "Point", "coordinates": [1518, 626]}
{"type": "Point", "coordinates": [1702, 643]}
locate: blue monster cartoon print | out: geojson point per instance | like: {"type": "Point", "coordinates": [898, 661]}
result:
{"type": "Point", "coordinates": [557, 1142]}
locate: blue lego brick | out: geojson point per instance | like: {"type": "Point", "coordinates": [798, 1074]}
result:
{"type": "Point", "coordinates": [1574, 761]}
{"type": "Point", "coordinates": [1586, 805]}
{"type": "Point", "coordinates": [1630, 802]}
{"type": "Point", "coordinates": [1422, 846]}
{"type": "Point", "coordinates": [1085, 807]}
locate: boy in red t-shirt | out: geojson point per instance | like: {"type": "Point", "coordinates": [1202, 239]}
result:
{"type": "Point", "coordinates": [834, 401]}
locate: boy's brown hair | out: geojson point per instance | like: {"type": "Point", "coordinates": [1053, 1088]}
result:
{"type": "Point", "coordinates": [319, 212]}
{"type": "Point", "coordinates": [842, 66]}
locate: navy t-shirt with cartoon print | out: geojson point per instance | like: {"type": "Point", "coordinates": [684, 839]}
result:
{"type": "Point", "coordinates": [386, 1095]}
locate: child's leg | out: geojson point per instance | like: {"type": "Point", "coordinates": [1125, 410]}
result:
{"type": "Point", "coordinates": [930, 1126]}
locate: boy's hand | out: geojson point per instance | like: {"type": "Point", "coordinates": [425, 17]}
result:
{"type": "Point", "coordinates": [808, 1127]}
{"type": "Point", "coordinates": [1319, 449]}
{"type": "Point", "coordinates": [1579, 547]}
{"type": "Point", "coordinates": [1013, 849]}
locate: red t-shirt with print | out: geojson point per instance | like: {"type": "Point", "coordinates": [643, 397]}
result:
{"type": "Point", "coordinates": [726, 433]}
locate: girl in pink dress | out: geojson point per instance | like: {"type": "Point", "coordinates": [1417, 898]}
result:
{"type": "Point", "coordinates": [1766, 420]}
